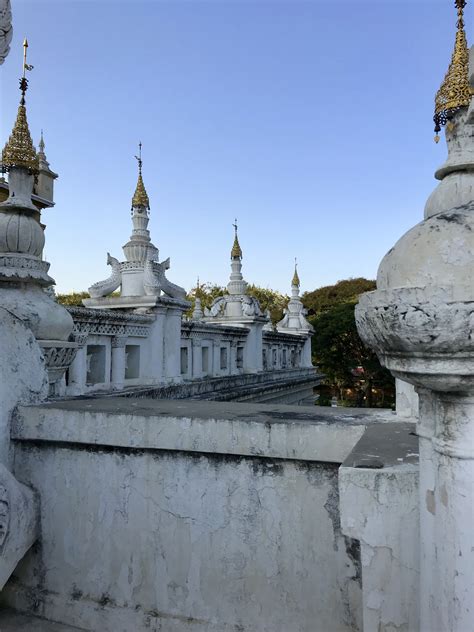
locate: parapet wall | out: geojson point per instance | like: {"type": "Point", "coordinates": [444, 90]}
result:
{"type": "Point", "coordinates": [185, 515]}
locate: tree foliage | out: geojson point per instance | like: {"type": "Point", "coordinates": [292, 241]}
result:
{"type": "Point", "coordinates": [72, 299]}
{"type": "Point", "coordinates": [268, 299]}
{"type": "Point", "coordinates": [206, 292]}
{"type": "Point", "coordinates": [346, 291]}
{"type": "Point", "coordinates": [353, 372]}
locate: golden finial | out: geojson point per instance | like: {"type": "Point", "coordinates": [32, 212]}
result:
{"type": "Point", "coordinates": [296, 279]}
{"type": "Point", "coordinates": [25, 65]}
{"type": "Point", "coordinates": [140, 197]}
{"type": "Point", "coordinates": [455, 91]}
{"type": "Point", "coordinates": [236, 252]}
{"type": "Point", "coordinates": [19, 150]}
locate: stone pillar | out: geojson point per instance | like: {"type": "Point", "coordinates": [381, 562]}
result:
{"type": "Point", "coordinates": [306, 353]}
{"type": "Point", "coordinates": [196, 347]}
{"type": "Point", "coordinates": [425, 430]}
{"type": "Point", "coordinates": [155, 368]}
{"type": "Point", "coordinates": [253, 357]}
{"type": "Point", "coordinates": [117, 374]}
{"type": "Point", "coordinates": [216, 358]}
{"type": "Point", "coordinates": [450, 568]}
{"type": "Point", "coordinates": [172, 344]}
{"type": "Point", "coordinates": [78, 368]}
{"type": "Point", "coordinates": [233, 370]}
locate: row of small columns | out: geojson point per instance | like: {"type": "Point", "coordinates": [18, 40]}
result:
{"type": "Point", "coordinates": [196, 360]}
{"type": "Point", "coordinates": [78, 369]}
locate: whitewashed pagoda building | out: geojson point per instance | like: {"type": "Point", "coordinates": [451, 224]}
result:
{"type": "Point", "coordinates": [132, 511]}
{"type": "Point", "coordinates": [131, 331]}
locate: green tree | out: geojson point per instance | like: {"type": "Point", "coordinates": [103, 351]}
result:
{"type": "Point", "coordinates": [207, 292]}
{"type": "Point", "coordinates": [72, 299]}
{"type": "Point", "coordinates": [352, 370]}
{"type": "Point", "coordinates": [346, 291]}
{"type": "Point", "coordinates": [346, 362]}
{"type": "Point", "coordinates": [269, 299]}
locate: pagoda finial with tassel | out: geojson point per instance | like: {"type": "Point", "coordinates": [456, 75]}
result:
{"type": "Point", "coordinates": [140, 197]}
{"type": "Point", "coordinates": [19, 150]}
{"type": "Point", "coordinates": [455, 91]}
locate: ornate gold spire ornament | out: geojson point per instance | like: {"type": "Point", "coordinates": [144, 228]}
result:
{"type": "Point", "coordinates": [19, 150]}
{"type": "Point", "coordinates": [296, 279]}
{"type": "Point", "coordinates": [140, 197]}
{"type": "Point", "coordinates": [455, 91]}
{"type": "Point", "coordinates": [236, 252]}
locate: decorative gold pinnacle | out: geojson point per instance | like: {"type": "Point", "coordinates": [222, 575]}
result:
{"type": "Point", "coordinates": [236, 252]}
{"type": "Point", "coordinates": [455, 91]}
{"type": "Point", "coordinates": [140, 197]}
{"type": "Point", "coordinates": [296, 279]}
{"type": "Point", "coordinates": [19, 150]}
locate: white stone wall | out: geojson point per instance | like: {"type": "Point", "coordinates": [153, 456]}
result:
{"type": "Point", "coordinates": [171, 524]}
{"type": "Point", "coordinates": [161, 357]}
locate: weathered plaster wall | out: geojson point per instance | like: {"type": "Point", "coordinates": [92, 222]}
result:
{"type": "Point", "coordinates": [23, 376]}
{"type": "Point", "coordinates": [140, 536]}
{"type": "Point", "coordinates": [378, 486]}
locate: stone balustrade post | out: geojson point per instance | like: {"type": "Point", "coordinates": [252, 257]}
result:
{"type": "Point", "coordinates": [172, 343]}
{"type": "Point", "coordinates": [216, 359]}
{"type": "Point", "coordinates": [449, 573]}
{"type": "Point", "coordinates": [425, 431]}
{"type": "Point", "coordinates": [78, 369]}
{"type": "Point", "coordinates": [196, 349]}
{"type": "Point", "coordinates": [119, 361]}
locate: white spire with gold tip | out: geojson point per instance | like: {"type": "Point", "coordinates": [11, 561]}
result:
{"type": "Point", "coordinates": [23, 273]}
{"type": "Point", "coordinates": [237, 285]}
{"type": "Point", "coordinates": [294, 319]}
{"type": "Point", "coordinates": [45, 181]}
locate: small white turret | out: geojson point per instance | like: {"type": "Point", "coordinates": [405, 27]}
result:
{"type": "Point", "coordinates": [294, 319]}
{"type": "Point", "coordinates": [236, 305]}
{"type": "Point", "coordinates": [45, 182]}
{"type": "Point", "coordinates": [142, 277]}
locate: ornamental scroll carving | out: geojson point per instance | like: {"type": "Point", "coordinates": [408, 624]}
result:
{"type": "Point", "coordinates": [154, 280]}
{"type": "Point", "coordinates": [103, 288]}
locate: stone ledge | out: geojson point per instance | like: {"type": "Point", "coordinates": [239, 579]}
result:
{"type": "Point", "coordinates": [272, 431]}
{"type": "Point", "coordinates": [11, 621]}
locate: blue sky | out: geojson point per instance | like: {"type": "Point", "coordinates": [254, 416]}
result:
{"type": "Point", "coordinates": [311, 122]}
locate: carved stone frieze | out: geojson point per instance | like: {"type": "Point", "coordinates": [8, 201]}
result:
{"type": "Point", "coordinates": [24, 268]}
{"type": "Point", "coordinates": [422, 336]}
{"type": "Point", "coordinates": [80, 339]}
{"type": "Point", "coordinates": [408, 319]}
{"type": "Point", "coordinates": [110, 329]}
{"type": "Point", "coordinates": [119, 342]}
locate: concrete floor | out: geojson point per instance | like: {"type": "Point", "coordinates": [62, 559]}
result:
{"type": "Point", "coordinates": [11, 621]}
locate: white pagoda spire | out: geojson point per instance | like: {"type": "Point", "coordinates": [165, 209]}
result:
{"type": "Point", "coordinates": [294, 319]}
{"type": "Point", "coordinates": [236, 286]}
